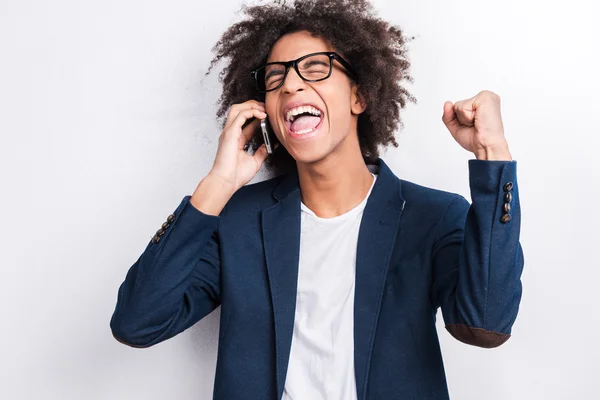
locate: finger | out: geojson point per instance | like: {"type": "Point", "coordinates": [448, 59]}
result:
{"type": "Point", "coordinates": [233, 113]}
{"type": "Point", "coordinates": [237, 108]}
{"type": "Point", "coordinates": [465, 117]}
{"type": "Point", "coordinates": [244, 116]}
{"type": "Point", "coordinates": [449, 118]}
{"type": "Point", "coordinates": [234, 132]}
{"type": "Point", "coordinates": [465, 112]}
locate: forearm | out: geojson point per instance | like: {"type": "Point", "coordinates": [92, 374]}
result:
{"type": "Point", "coordinates": [491, 252]}
{"type": "Point", "coordinates": [481, 301]}
{"type": "Point", "coordinates": [183, 262]}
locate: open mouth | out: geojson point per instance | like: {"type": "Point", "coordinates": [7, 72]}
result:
{"type": "Point", "coordinates": [303, 120]}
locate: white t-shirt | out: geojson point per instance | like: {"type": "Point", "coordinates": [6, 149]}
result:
{"type": "Point", "coordinates": [321, 364]}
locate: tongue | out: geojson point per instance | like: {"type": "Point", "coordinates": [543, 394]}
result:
{"type": "Point", "coordinates": [305, 122]}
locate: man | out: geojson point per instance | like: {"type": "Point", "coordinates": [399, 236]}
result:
{"type": "Point", "coordinates": [330, 274]}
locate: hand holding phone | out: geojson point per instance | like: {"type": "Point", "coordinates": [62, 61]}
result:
{"type": "Point", "coordinates": [234, 166]}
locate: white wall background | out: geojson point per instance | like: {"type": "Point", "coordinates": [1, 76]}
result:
{"type": "Point", "coordinates": [105, 125]}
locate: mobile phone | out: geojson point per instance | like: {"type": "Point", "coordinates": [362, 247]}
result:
{"type": "Point", "coordinates": [268, 135]}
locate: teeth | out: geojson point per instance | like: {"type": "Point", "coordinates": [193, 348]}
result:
{"type": "Point", "coordinates": [300, 110]}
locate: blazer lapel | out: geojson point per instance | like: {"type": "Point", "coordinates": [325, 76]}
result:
{"type": "Point", "coordinates": [281, 240]}
{"type": "Point", "coordinates": [376, 240]}
{"type": "Point", "coordinates": [377, 235]}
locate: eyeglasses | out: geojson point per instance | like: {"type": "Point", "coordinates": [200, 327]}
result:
{"type": "Point", "coordinates": [312, 67]}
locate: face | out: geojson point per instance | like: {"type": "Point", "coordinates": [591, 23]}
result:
{"type": "Point", "coordinates": [312, 138]}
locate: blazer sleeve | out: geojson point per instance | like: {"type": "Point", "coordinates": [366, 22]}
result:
{"type": "Point", "coordinates": [174, 283]}
{"type": "Point", "coordinates": [477, 257]}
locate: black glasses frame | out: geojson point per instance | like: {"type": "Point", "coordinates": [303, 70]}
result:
{"type": "Point", "coordinates": [294, 63]}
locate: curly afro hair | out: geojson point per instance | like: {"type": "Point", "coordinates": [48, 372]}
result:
{"type": "Point", "coordinates": [375, 49]}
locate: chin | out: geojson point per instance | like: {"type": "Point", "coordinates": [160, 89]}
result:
{"type": "Point", "coordinates": [310, 156]}
{"type": "Point", "coordinates": [315, 149]}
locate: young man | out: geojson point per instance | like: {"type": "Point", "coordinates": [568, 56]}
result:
{"type": "Point", "coordinates": [330, 275]}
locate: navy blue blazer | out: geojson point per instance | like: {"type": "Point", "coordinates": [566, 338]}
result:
{"type": "Point", "coordinates": [418, 249]}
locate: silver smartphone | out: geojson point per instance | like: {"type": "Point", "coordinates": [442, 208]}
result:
{"type": "Point", "coordinates": [267, 135]}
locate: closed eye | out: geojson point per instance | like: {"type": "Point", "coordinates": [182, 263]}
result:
{"type": "Point", "coordinates": [273, 74]}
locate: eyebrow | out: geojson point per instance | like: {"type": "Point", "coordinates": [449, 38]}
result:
{"type": "Point", "coordinates": [310, 52]}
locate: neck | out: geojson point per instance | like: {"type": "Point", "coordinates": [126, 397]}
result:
{"type": "Point", "coordinates": [337, 183]}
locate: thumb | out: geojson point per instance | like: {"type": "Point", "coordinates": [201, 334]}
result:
{"type": "Point", "coordinates": [449, 118]}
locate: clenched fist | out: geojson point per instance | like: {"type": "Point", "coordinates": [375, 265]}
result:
{"type": "Point", "coordinates": [476, 124]}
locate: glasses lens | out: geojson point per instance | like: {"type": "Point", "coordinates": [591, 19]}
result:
{"type": "Point", "coordinates": [270, 76]}
{"type": "Point", "coordinates": [315, 67]}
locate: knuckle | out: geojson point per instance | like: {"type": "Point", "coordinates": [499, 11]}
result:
{"type": "Point", "coordinates": [490, 94]}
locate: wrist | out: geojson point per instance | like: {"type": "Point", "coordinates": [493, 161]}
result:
{"type": "Point", "coordinates": [493, 153]}
{"type": "Point", "coordinates": [211, 195]}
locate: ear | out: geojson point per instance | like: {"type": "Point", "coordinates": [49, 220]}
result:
{"type": "Point", "coordinates": [358, 105]}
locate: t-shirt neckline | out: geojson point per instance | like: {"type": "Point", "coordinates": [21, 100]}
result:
{"type": "Point", "coordinates": [358, 208]}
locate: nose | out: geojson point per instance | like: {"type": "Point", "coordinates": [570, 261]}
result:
{"type": "Point", "coordinates": [293, 82]}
